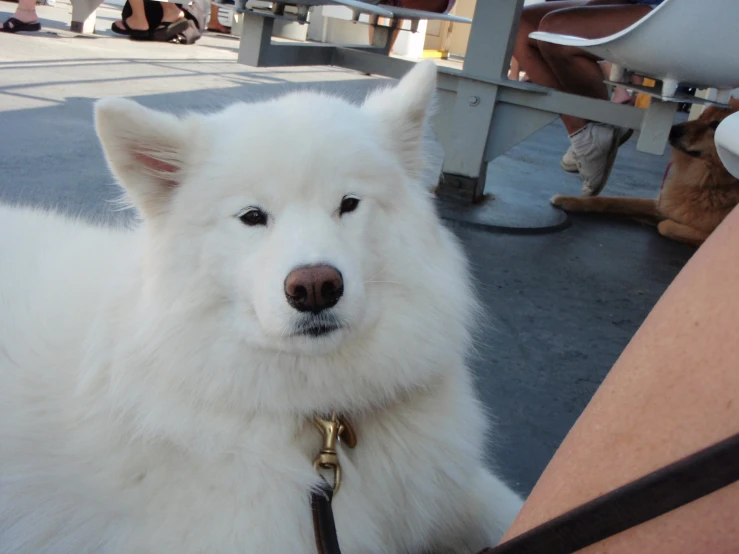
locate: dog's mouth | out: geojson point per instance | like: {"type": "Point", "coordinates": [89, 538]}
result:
{"type": "Point", "coordinates": [319, 330]}
{"type": "Point", "coordinates": [317, 326]}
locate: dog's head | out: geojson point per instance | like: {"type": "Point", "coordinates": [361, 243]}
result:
{"type": "Point", "coordinates": [695, 138]}
{"type": "Point", "coordinates": [299, 228]}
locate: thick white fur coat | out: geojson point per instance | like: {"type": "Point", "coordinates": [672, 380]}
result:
{"type": "Point", "coordinates": [155, 390]}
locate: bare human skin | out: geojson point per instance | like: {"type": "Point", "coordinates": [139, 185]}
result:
{"type": "Point", "coordinates": [567, 68]}
{"type": "Point", "coordinates": [436, 6]}
{"type": "Point", "coordinates": [672, 392]}
{"type": "Point", "coordinates": [26, 11]}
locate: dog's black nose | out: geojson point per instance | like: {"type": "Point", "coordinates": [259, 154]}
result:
{"type": "Point", "coordinates": [313, 288]}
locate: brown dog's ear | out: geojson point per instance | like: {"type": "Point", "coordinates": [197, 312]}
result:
{"type": "Point", "coordinates": [734, 103]}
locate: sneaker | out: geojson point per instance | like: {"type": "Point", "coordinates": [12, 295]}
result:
{"type": "Point", "coordinates": [569, 160]}
{"type": "Point", "coordinates": [595, 147]}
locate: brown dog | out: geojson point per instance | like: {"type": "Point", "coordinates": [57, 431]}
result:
{"type": "Point", "coordinates": [697, 192]}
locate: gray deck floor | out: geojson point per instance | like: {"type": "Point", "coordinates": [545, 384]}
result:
{"type": "Point", "coordinates": [561, 306]}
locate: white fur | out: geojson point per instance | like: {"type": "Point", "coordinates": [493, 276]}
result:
{"type": "Point", "coordinates": [152, 398]}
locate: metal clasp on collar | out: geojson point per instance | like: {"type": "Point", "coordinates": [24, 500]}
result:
{"type": "Point", "coordinates": [333, 429]}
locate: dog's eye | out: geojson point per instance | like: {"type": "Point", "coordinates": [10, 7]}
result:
{"type": "Point", "coordinates": [714, 125]}
{"type": "Point", "coordinates": [348, 204]}
{"type": "Point", "coordinates": [252, 217]}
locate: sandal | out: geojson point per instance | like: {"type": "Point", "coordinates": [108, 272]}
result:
{"type": "Point", "coordinates": [14, 25]}
{"type": "Point", "coordinates": [133, 34]}
{"type": "Point", "coordinates": [167, 30]}
{"type": "Point", "coordinates": [223, 30]}
{"type": "Point", "coordinates": [120, 30]}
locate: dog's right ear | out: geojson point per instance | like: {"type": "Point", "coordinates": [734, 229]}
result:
{"type": "Point", "coordinates": [147, 151]}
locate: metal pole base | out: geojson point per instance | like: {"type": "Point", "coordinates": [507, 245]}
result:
{"type": "Point", "coordinates": [512, 209]}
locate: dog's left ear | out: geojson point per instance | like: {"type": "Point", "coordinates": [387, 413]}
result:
{"type": "Point", "coordinates": [403, 111]}
{"type": "Point", "coordinates": [147, 151]}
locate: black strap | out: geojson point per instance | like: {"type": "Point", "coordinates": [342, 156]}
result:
{"type": "Point", "coordinates": [647, 498]}
{"type": "Point", "coordinates": [323, 520]}
{"type": "Point", "coordinates": [651, 496]}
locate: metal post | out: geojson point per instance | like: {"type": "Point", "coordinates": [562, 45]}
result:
{"type": "Point", "coordinates": [655, 127]}
{"type": "Point", "coordinates": [256, 36]}
{"type": "Point", "coordinates": [83, 16]}
{"type": "Point", "coordinates": [493, 34]}
{"type": "Point", "coordinates": [382, 37]}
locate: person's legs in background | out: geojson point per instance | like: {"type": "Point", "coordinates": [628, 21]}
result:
{"type": "Point", "coordinates": [137, 21]}
{"type": "Point", "coordinates": [576, 70]}
{"type": "Point", "coordinates": [526, 51]}
{"type": "Point", "coordinates": [594, 146]}
{"type": "Point", "coordinates": [531, 16]}
{"type": "Point", "coordinates": [214, 25]}
{"type": "Point", "coordinates": [25, 18]}
{"type": "Point", "coordinates": [171, 13]}
{"type": "Point", "coordinates": [619, 96]}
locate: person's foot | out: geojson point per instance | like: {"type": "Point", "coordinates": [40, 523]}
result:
{"type": "Point", "coordinates": [26, 16]}
{"type": "Point", "coordinates": [132, 28]}
{"type": "Point", "coordinates": [119, 27]}
{"type": "Point", "coordinates": [173, 22]}
{"type": "Point", "coordinates": [216, 27]}
{"type": "Point", "coordinates": [569, 160]}
{"type": "Point", "coordinates": [171, 13]}
{"type": "Point", "coordinates": [22, 20]}
{"type": "Point", "coordinates": [131, 24]}
{"type": "Point", "coordinates": [595, 147]}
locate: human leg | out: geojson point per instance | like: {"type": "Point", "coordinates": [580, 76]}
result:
{"type": "Point", "coordinates": [576, 70]}
{"type": "Point", "coordinates": [671, 393]}
{"type": "Point", "coordinates": [213, 24]}
{"type": "Point", "coordinates": [24, 18]}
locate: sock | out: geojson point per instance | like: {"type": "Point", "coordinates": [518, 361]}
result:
{"type": "Point", "coordinates": [582, 138]}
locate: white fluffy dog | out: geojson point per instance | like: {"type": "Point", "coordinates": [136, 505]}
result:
{"type": "Point", "coordinates": [157, 385]}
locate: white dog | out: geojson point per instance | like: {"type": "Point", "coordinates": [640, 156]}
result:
{"type": "Point", "coordinates": [157, 385]}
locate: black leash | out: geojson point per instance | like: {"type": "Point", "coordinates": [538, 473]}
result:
{"type": "Point", "coordinates": [646, 498]}
{"type": "Point", "coordinates": [323, 520]}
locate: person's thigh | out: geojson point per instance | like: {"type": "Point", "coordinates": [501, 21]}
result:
{"type": "Point", "coordinates": [673, 391]}
{"type": "Point", "coordinates": [593, 21]}
{"type": "Point", "coordinates": [532, 15]}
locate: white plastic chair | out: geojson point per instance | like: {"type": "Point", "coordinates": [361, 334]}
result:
{"type": "Point", "coordinates": [727, 143]}
{"type": "Point", "coordinates": [689, 42]}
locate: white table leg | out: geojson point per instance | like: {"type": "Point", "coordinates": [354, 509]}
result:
{"type": "Point", "coordinates": [656, 126]}
{"type": "Point", "coordinates": [83, 15]}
